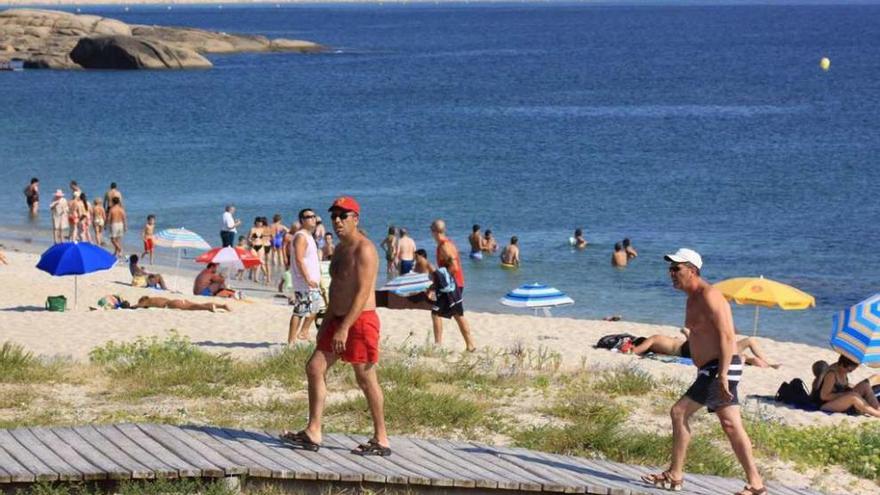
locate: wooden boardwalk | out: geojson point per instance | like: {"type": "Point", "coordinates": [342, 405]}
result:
{"type": "Point", "coordinates": [109, 453]}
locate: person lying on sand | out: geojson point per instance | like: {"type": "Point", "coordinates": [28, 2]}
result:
{"type": "Point", "coordinates": [3, 258]}
{"type": "Point", "coordinates": [678, 346]}
{"type": "Point", "coordinates": [164, 302]}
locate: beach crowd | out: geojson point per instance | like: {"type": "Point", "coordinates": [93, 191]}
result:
{"type": "Point", "coordinates": [349, 332]}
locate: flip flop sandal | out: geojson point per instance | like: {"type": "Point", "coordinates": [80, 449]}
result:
{"type": "Point", "coordinates": [665, 481]}
{"type": "Point", "coordinates": [752, 491]}
{"type": "Point", "coordinates": [299, 440]}
{"type": "Point", "coordinates": [372, 447]}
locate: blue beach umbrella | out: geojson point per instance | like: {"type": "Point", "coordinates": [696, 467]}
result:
{"type": "Point", "coordinates": [411, 283]}
{"type": "Point", "coordinates": [855, 332]}
{"type": "Point", "coordinates": [73, 258]}
{"type": "Point", "coordinates": [536, 296]}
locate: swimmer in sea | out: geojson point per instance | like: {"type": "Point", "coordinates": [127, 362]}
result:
{"type": "Point", "coordinates": [618, 257]}
{"type": "Point", "coordinates": [579, 241]}
{"type": "Point", "coordinates": [630, 250]}
{"type": "Point", "coordinates": [490, 245]}
{"type": "Point", "coordinates": [476, 242]}
{"type": "Point", "coordinates": [510, 253]}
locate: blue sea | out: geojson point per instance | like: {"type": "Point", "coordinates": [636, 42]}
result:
{"type": "Point", "coordinates": [704, 126]}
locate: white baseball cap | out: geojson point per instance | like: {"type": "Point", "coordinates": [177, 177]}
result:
{"type": "Point", "coordinates": [685, 255]}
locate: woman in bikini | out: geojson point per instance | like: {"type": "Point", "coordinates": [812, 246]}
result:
{"type": "Point", "coordinates": [99, 217]}
{"type": "Point", "coordinates": [836, 395]}
{"type": "Point", "coordinates": [255, 240]}
{"type": "Point", "coordinates": [266, 238]}
{"type": "Point", "coordinates": [73, 218]}
{"type": "Point", "coordinates": [85, 218]}
{"type": "Point", "coordinates": [165, 303]}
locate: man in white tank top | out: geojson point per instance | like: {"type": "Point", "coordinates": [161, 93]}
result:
{"type": "Point", "coordinates": [305, 271]}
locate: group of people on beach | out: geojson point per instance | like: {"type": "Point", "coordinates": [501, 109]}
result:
{"type": "Point", "coordinates": [80, 220]}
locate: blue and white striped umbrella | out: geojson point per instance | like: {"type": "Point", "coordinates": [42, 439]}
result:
{"type": "Point", "coordinates": [411, 283]}
{"type": "Point", "coordinates": [855, 332]}
{"type": "Point", "coordinates": [181, 239]}
{"type": "Point", "coordinates": [535, 296]}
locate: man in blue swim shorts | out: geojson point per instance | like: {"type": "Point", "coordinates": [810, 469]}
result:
{"type": "Point", "coordinates": [713, 349]}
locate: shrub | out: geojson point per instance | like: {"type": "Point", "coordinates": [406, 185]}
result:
{"type": "Point", "coordinates": [20, 366]}
{"type": "Point", "coordinates": [855, 448]}
{"type": "Point", "coordinates": [625, 380]}
{"type": "Point", "coordinates": [174, 365]}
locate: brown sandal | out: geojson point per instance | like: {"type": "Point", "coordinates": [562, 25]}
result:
{"type": "Point", "coordinates": [665, 481]}
{"type": "Point", "coordinates": [752, 491]}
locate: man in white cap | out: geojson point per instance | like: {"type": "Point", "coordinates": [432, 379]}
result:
{"type": "Point", "coordinates": [713, 350]}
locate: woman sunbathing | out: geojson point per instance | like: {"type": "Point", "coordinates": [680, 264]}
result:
{"type": "Point", "coordinates": [164, 302]}
{"type": "Point", "coordinates": [836, 395]}
{"type": "Point", "coordinates": [677, 346]}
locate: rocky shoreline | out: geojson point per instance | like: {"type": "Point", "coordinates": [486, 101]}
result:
{"type": "Point", "coordinates": [49, 39]}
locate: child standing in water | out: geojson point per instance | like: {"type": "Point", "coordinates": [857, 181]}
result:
{"type": "Point", "coordinates": [149, 230]}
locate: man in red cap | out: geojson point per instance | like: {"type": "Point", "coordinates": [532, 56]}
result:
{"type": "Point", "coordinates": [349, 332]}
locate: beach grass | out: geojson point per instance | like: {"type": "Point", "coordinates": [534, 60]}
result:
{"type": "Point", "coordinates": [857, 448]}
{"type": "Point", "coordinates": [18, 365]}
{"type": "Point", "coordinates": [512, 395]}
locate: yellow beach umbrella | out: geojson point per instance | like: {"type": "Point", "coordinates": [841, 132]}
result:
{"type": "Point", "coordinates": [762, 291]}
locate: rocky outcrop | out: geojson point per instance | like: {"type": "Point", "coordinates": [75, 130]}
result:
{"type": "Point", "coordinates": [128, 52]}
{"type": "Point", "coordinates": [46, 38]}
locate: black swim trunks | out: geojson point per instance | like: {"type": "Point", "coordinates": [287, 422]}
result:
{"type": "Point", "coordinates": [706, 390]}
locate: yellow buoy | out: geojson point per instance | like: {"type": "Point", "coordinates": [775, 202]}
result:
{"type": "Point", "coordinates": [825, 63]}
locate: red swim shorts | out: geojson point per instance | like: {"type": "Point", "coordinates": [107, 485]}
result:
{"type": "Point", "coordinates": [362, 345]}
{"type": "Point", "coordinates": [148, 245]}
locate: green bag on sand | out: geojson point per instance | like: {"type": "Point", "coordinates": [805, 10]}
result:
{"type": "Point", "coordinates": [56, 303]}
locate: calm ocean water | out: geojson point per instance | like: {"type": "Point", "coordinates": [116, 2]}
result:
{"type": "Point", "coordinates": [708, 127]}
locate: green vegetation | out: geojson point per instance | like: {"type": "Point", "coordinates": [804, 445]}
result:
{"type": "Point", "coordinates": [428, 391]}
{"type": "Point", "coordinates": [625, 380]}
{"type": "Point", "coordinates": [20, 366]}
{"type": "Point", "coordinates": [855, 448]}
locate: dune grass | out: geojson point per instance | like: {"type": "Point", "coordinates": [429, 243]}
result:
{"type": "Point", "coordinates": [18, 365]}
{"type": "Point", "coordinates": [857, 448]}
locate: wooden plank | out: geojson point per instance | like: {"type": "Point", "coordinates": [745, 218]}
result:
{"type": "Point", "coordinates": [629, 479]}
{"type": "Point", "coordinates": [415, 475]}
{"type": "Point", "coordinates": [14, 470]}
{"type": "Point", "coordinates": [160, 468]}
{"type": "Point", "coordinates": [421, 475]}
{"type": "Point", "coordinates": [40, 470]}
{"type": "Point", "coordinates": [342, 444]}
{"type": "Point", "coordinates": [323, 462]}
{"type": "Point", "coordinates": [184, 469]}
{"type": "Point", "coordinates": [338, 447]}
{"type": "Point", "coordinates": [616, 484]}
{"type": "Point", "coordinates": [454, 449]}
{"type": "Point", "coordinates": [458, 477]}
{"type": "Point", "coordinates": [553, 482]}
{"type": "Point", "coordinates": [693, 485]}
{"type": "Point", "coordinates": [182, 450]}
{"type": "Point", "coordinates": [549, 467]}
{"type": "Point", "coordinates": [258, 465]}
{"type": "Point", "coordinates": [66, 452]}
{"type": "Point", "coordinates": [118, 461]}
{"type": "Point", "coordinates": [448, 450]}
{"type": "Point", "coordinates": [590, 480]}
{"type": "Point", "coordinates": [219, 459]}
{"type": "Point", "coordinates": [35, 446]}
{"type": "Point", "coordinates": [484, 456]}
{"type": "Point", "coordinates": [472, 473]}
{"type": "Point", "coordinates": [289, 470]}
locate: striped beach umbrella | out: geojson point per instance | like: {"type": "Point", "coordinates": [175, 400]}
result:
{"type": "Point", "coordinates": [855, 332]}
{"type": "Point", "coordinates": [180, 239]}
{"type": "Point", "coordinates": [536, 296]}
{"type": "Point", "coordinates": [410, 283]}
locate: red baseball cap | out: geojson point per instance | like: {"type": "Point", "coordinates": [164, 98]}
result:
{"type": "Point", "coordinates": [346, 203]}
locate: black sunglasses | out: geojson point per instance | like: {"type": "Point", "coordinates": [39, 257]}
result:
{"type": "Point", "coordinates": [308, 217]}
{"type": "Point", "coordinates": [676, 267]}
{"type": "Point", "coordinates": [342, 216]}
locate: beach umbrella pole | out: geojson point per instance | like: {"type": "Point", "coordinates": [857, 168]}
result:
{"type": "Point", "coordinates": [755, 328]}
{"type": "Point", "coordinates": [177, 269]}
{"type": "Point", "coordinates": [75, 291]}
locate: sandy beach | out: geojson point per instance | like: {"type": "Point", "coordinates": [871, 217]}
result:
{"type": "Point", "coordinates": [259, 323]}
